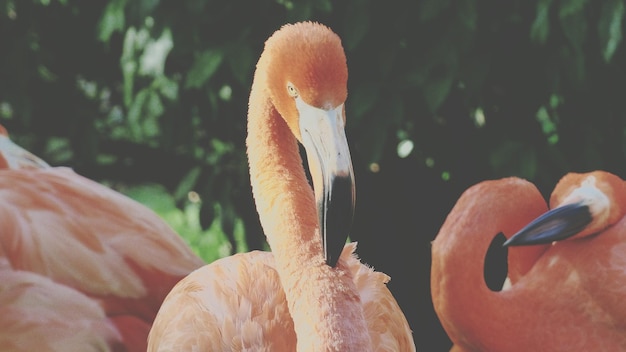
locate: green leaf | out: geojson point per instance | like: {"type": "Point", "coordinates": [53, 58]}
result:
{"type": "Point", "coordinates": [128, 64]}
{"type": "Point", "coordinates": [573, 22]}
{"type": "Point", "coordinates": [357, 24]}
{"type": "Point", "coordinates": [128, 71]}
{"type": "Point", "coordinates": [46, 74]}
{"type": "Point", "coordinates": [548, 126]}
{"type": "Point", "coordinates": [135, 112]}
{"type": "Point", "coordinates": [541, 25]}
{"type": "Point", "coordinates": [113, 20]}
{"type": "Point", "coordinates": [128, 47]}
{"type": "Point", "coordinates": [610, 27]}
{"type": "Point", "coordinates": [154, 105]}
{"type": "Point", "coordinates": [152, 61]}
{"type": "Point", "coordinates": [60, 150]}
{"type": "Point", "coordinates": [154, 196]}
{"type": "Point", "coordinates": [429, 9]}
{"type": "Point", "coordinates": [209, 245]}
{"type": "Point", "coordinates": [143, 115]}
{"type": "Point", "coordinates": [150, 129]}
{"type": "Point", "coordinates": [167, 87]}
{"type": "Point", "coordinates": [204, 67]}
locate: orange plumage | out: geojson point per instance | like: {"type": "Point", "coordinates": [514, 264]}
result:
{"type": "Point", "coordinates": [300, 296]}
{"type": "Point", "coordinates": [564, 296]}
{"type": "Point", "coordinates": [103, 258]}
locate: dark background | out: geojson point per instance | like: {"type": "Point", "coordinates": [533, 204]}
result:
{"type": "Point", "coordinates": [130, 92]}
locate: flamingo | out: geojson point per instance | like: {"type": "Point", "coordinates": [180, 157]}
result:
{"type": "Point", "coordinates": [564, 296]}
{"type": "Point", "coordinates": [38, 314]}
{"type": "Point", "coordinates": [311, 293]}
{"type": "Point", "coordinates": [104, 261]}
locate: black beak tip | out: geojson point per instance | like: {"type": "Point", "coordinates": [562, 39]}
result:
{"type": "Point", "coordinates": [336, 221]}
{"type": "Point", "coordinates": [555, 225]}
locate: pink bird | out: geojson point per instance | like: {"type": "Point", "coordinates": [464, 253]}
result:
{"type": "Point", "coordinates": [310, 293]}
{"type": "Point", "coordinates": [564, 296]}
{"type": "Point", "coordinates": [104, 261]}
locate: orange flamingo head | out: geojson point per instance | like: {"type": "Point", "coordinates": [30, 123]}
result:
{"type": "Point", "coordinates": [306, 69]}
{"type": "Point", "coordinates": [581, 205]}
{"type": "Point", "coordinates": [305, 74]}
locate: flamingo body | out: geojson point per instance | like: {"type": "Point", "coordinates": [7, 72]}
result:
{"type": "Point", "coordinates": [30, 319]}
{"type": "Point", "coordinates": [235, 303]}
{"type": "Point", "coordinates": [80, 236]}
{"type": "Point", "coordinates": [310, 293]}
{"type": "Point", "coordinates": [238, 303]}
{"type": "Point", "coordinates": [60, 225]}
{"type": "Point", "coordinates": [566, 296]}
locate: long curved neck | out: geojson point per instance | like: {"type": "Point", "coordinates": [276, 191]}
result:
{"type": "Point", "coordinates": [323, 301]}
{"type": "Point", "coordinates": [460, 296]}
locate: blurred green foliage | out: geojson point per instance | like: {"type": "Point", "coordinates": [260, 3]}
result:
{"type": "Point", "coordinates": [442, 94]}
{"type": "Point", "coordinates": [210, 244]}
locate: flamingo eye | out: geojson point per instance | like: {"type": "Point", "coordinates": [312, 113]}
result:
{"type": "Point", "coordinates": [291, 89]}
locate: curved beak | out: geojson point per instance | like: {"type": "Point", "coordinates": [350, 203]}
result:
{"type": "Point", "coordinates": [324, 140]}
{"type": "Point", "coordinates": [555, 225]}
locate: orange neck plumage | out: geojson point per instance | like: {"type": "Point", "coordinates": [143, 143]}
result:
{"type": "Point", "coordinates": [323, 301]}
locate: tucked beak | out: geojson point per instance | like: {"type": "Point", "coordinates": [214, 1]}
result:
{"type": "Point", "coordinates": [324, 140]}
{"type": "Point", "coordinates": [555, 225]}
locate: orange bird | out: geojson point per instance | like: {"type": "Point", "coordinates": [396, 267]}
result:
{"type": "Point", "coordinates": [38, 314]}
{"type": "Point", "coordinates": [311, 293]}
{"type": "Point", "coordinates": [82, 267]}
{"type": "Point", "coordinates": [564, 296]}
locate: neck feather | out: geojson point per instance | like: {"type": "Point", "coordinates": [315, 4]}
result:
{"type": "Point", "coordinates": [460, 295]}
{"type": "Point", "coordinates": [323, 301]}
